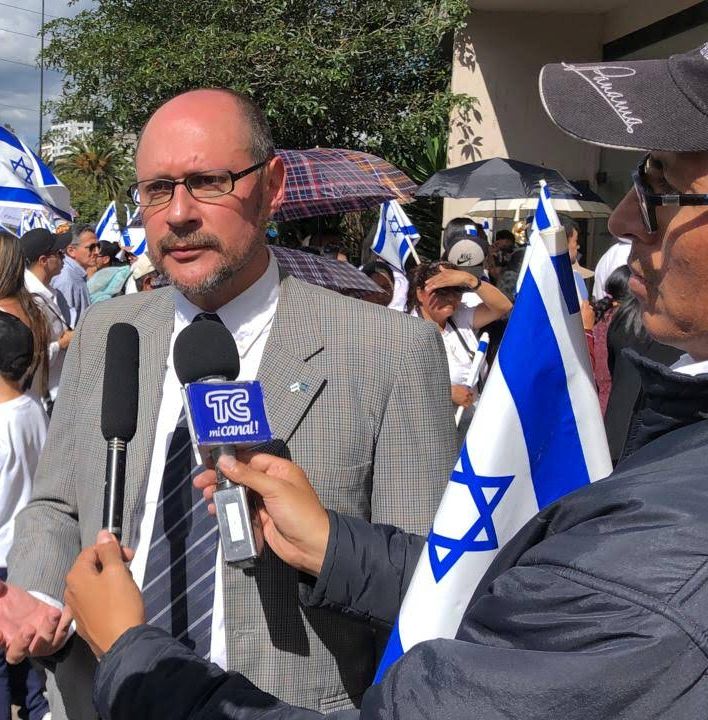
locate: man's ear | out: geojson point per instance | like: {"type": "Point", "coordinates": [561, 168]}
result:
{"type": "Point", "coordinates": [274, 184]}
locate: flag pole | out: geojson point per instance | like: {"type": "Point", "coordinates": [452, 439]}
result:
{"type": "Point", "coordinates": [41, 83]}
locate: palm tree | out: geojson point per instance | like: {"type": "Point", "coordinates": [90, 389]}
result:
{"type": "Point", "coordinates": [100, 160]}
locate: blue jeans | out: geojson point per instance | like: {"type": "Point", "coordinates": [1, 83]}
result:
{"type": "Point", "coordinates": [22, 684]}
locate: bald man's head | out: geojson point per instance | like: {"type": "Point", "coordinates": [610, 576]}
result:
{"type": "Point", "coordinates": [246, 112]}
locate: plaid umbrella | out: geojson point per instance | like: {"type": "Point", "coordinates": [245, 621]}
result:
{"type": "Point", "coordinates": [321, 182]}
{"type": "Point", "coordinates": [386, 174]}
{"type": "Point", "coordinates": [318, 270]}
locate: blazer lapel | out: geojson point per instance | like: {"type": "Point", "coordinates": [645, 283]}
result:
{"type": "Point", "coordinates": [155, 322]}
{"type": "Point", "coordinates": [290, 383]}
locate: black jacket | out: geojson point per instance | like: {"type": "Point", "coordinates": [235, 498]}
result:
{"type": "Point", "coordinates": [598, 609]}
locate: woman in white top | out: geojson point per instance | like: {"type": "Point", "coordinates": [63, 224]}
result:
{"type": "Point", "coordinates": [435, 294]}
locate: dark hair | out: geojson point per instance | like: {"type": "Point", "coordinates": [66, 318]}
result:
{"type": "Point", "coordinates": [505, 235]}
{"type": "Point", "coordinates": [14, 369]}
{"type": "Point", "coordinates": [628, 315]}
{"type": "Point", "coordinates": [378, 266]}
{"type": "Point", "coordinates": [12, 285]}
{"type": "Point", "coordinates": [78, 229]}
{"type": "Point", "coordinates": [616, 291]}
{"type": "Point", "coordinates": [419, 276]}
{"type": "Point", "coordinates": [569, 225]}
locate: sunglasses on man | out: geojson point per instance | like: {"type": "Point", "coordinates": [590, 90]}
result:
{"type": "Point", "coordinates": [649, 201]}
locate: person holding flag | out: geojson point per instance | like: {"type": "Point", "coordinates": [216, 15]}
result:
{"type": "Point", "coordinates": [596, 609]}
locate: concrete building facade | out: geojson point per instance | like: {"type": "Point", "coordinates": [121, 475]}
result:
{"type": "Point", "coordinates": [497, 59]}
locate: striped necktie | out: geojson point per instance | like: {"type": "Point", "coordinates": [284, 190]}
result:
{"type": "Point", "coordinates": [178, 589]}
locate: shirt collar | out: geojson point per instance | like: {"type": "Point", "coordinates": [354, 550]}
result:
{"type": "Point", "coordinates": [686, 365]}
{"type": "Point", "coordinates": [247, 315]}
{"type": "Point", "coordinates": [74, 266]}
{"type": "Point", "coordinates": [36, 286]}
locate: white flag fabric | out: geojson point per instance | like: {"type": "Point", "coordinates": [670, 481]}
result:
{"type": "Point", "coordinates": [537, 434]}
{"type": "Point", "coordinates": [395, 235]}
{"type": "Point", "coordinates": [134, 234]}
{"type": "Point", "coordinates": [32, 219]}
{"type": "Point", "coordinates": [26, 183]}
{"type": "Point", "coordinates": [108, 227]}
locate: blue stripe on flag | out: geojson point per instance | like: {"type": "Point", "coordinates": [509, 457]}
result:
{"type": "Point", "coordinates": [104, 221]}
{"type": "Point", "coordinates": [381, 239]}
{"type": "Point", "coordinates": [47, 175]}
{"type": "Point", "coordinates": [7, 137]}
{"type": "Point", "coordinates": [547, 419]}
{"type": "Point", "coordinates": [564, 272]}
{"type": "Point", "coordinates": [140, 249]}
{"type": "Point", "coordinates": [542, 220]}
{"type": "Point", "coordinates": [403, 249]}
{"type": "Point", "coordinates": [394, 650]}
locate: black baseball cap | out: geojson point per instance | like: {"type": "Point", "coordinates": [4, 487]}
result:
{"type": "Point", "coordinates": [40, 241]}
{"type": "Point", "coordinates": [632, 105]}
{"type": "Point", "coordinates": [16, 346]}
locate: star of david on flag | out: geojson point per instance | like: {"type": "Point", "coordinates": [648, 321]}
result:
{"type": "Point", "coordinates": [395, 237]}
{"type": "Point", "coordinates": [27, 184]}
{"type": "Point", "coordinates": [537, 434]}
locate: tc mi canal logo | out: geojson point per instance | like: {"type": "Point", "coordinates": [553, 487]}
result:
{"type": "Point", "coordinates": [228, 412]}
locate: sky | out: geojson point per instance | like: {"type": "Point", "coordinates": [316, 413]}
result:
{"type": "Point", "coordinates": [19, 83]}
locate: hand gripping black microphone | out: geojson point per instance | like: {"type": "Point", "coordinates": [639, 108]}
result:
{"type": "Point", "coordinates": [207, 364]}
{"type": "Point", "coordinates": [119, 416]}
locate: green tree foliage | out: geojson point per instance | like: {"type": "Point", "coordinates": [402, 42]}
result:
{"type": "Point", "coordinates": [96, 170]}
{"type": "Point", "coordinates": [362, 74]}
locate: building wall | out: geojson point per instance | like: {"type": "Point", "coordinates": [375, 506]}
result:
{"type": "Point", "coordinates": [637, 14]}
{"type": "Point", "coordinates": [498, 59]}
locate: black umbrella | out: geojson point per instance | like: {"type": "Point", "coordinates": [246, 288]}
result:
{"type": "Point", "coordinates": [495, 178]}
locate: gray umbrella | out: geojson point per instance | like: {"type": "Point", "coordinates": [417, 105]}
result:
{"type": "Point", "coordinates": [495, 178]}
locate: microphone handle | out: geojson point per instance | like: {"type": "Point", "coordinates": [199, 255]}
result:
{"type": "Point", "coordinates": [239, 526]}
{"type": "Point", "coordinates": [114, 489]}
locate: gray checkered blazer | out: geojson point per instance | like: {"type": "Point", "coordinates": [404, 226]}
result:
{"type": "Point", "coordinates": [374, 431]}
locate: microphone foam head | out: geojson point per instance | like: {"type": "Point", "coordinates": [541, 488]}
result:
{"type": "Point", "coordinates": [205, 349]}
{"type": "Point", "coordinates": [119, 408]}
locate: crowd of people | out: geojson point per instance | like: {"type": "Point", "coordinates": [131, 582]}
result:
{"type": "Point", "coordinates": [595, 610]}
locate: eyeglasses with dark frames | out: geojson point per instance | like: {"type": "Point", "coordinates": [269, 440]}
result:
{"type": "Point", "coordinates": [649, 201]}
{"type": "Point", "coordinates": [201, 185]}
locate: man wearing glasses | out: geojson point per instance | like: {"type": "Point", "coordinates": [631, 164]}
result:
{"type": "Point", "coordinates": [352, 392]}
{"type": "Point", "coordinates": [70, 283]}
{"type": "Point", "coordinates": [598, 608]}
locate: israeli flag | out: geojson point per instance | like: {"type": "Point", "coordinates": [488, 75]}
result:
{"type": "Point", "coordinates": [537, 434]}
{"type": "Point", "coordinates": [26, 183]}
{"type": "Point", "coordinates": [32, 219]}
{"type": "Point", "coordinates": [134, 234]}
{"type": "Point", "coordinates": [395, 235]}
{"type": "Point", "coordinates": [108, 227]}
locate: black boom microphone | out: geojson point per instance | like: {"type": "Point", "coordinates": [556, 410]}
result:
{"type": "Point", "coordinates": [119, 416]}
{"type": "Point", "coordinates": [205, 352]}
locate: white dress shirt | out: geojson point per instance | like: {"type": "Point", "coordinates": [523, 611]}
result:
{"type": "Point", "coordinates": [249, 317]}
{"type": "Point", "coordinates": [45, 298]}
{"type": "Point", "coordinates": [686, 365]}
{"type": "Point", "coordinates": [23, 429]}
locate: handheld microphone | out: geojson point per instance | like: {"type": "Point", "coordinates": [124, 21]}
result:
{"type": "Point", "coordinates": [223, 416]}
{"type": "Point", "coordinates": [119, 416]}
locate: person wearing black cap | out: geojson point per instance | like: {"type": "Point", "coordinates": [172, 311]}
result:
{"type": "Point", "coordinates": [43, 253]}
{"type": "Point", "coordinates": [598, 608]}
{"type": "Point", "coordinates": [23, 429]}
